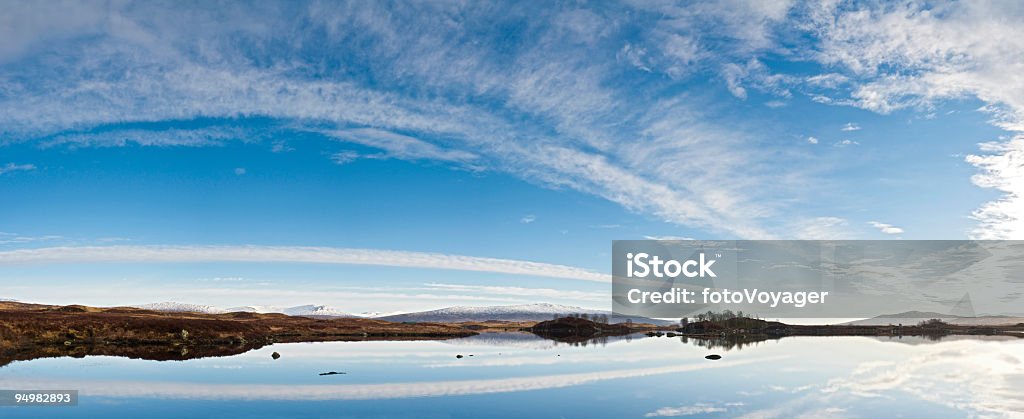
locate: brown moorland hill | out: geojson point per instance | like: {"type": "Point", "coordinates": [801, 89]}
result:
{"type": "Point", "coordinates": [28, 331]}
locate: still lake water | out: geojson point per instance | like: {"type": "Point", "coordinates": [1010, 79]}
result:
{"type": "Point", "coordinates": [518, 375]}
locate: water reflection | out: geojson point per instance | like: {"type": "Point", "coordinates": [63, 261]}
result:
{"type": "Point", "coordinates": [358, 391]}
{"type": "Point", "coordinates": [727, 342]}
{"type": "Point", "coordinates": [147, 352]}
{"type": "Point", "coordinates": [515, 375]}
{"type": "Point", "coordinates": [740, 341]}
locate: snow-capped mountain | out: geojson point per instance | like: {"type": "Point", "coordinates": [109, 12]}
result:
{"type": "Point", "coordinates": [304, 310]}
{"type": "Point", "coordinates": [255, 309]}
{"type": "Point", "coordinates": [376, 314]}
{"type": "Point", "coordinates": [512, 313]}
{"type": "Point", "coordinates": [181, 308]}
{"type": "Point", "coordinates": [315, 310]}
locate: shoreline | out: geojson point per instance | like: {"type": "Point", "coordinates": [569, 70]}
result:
{"type": "Point", "coordinates": [30, 331]}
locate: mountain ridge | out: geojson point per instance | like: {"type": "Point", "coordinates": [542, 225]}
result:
{"type": "Point", "coordinates": [511, 313]}
{"type": "Point", "coordinates": [915, 316]}
{"type": "Point", "coordinates": [301, 310]}
{"type": "Point", "coordinates": [454, 314]}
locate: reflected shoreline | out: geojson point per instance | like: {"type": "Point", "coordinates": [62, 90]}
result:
{"type": "Point", "coordinates": [33, 331]}
{"type": "Point", "coordinates": [184, 353]}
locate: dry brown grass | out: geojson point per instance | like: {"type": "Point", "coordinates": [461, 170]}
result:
{"type": "Point", "coordinates": [69, 330]}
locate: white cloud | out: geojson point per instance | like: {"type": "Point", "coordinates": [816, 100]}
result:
{"type": "Point", "coordinates": [1001, 168]}
{"type": "Point", "coordinates": [696, 409]}
{"type": "Point", "coordinates": [345, 157]}
{"type": "Point", "coordinates": [223, 278]}
{"type": "Point", "coordinates": [19, 239]}
{"type": "Point", "coordinates": [754, 74]}
{"type": "Point", "coordinates": [24, 25]}
{"type": "Point", "coordinates": [534, 294]}
{"type": "Point", "coordinates": [733, 75]}
{"type": "Point", "coordinates": [850, 126]}
{"type": "Point", "coordinates": [329, 255]}
{"type": "Point", "coordinates": [527, 219]}
{"type": "Point", "coordinates": [826, 412]}
{"type": "Point", "coordinates": [548, 111]}
{"type": "Point", "coordinates": [827, 81]}
{"type": "Point", "coordinates": [400, 146]}
{"type": "Point", "coordinates": [941, 48]}
{"type": "Point", "coordinates": [200, 137]}
{"type": "Point", "coordinates": [845, 143]}
{"type": "Point", "coordinates": [812, 140]}
{"type": "Point", "coordinates": [635, 56]}
{"type": "Point", "coordinates": [596, 174]}
{"type": "Point", "coordinates": [914, 54]}
{"type": "Point", "coordinates": [670, 238]}
{"type": "Point", "coordinates": [886, 228]}
{"type": "Point", "coordinates": [11, 167]}
{"type": "Point", "coordinates": [280, 147]}
{"type": "Point", "coordinates": [748, 24]}
{"type": "Point", "coordinates": [821, 228]}
{"type": "Point", "coordinates": [239, 171]}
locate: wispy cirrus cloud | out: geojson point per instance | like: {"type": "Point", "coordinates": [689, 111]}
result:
{"type": "Point", "coordinates": [536, 105]}
{"type": "Point", "coordinates": [915, 55]}
{"type": "Point", "coordinates": [695, 409]}
{"type": "Point", "coordinates": [535, 294]}
{"type": "Point", "coordinates": [21, 239]}
{"type": "Point", "coordinates": [401, 146]}
{"type": "Point", "coordinates": [886, 228]}
{"type": "Point", "coordinates": [671, 238]}
{"type": "Point", "coordinates": [822, 228]}
{"type": "Point", "coordinates": [545, 110]}
{"type": "Point", "coordinates": [293, 254]}
{"type": "Point", "coordinates": [12, 167]}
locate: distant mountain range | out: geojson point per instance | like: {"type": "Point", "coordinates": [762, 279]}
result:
{"type": "Point", "coordinates": [510, 313]}
{"type": "Point", "coordinates": [181, 308]}
{"type": "Point", "coordinates": [304, 310]}
{"type": "Point", "coordinates": [913, 317]}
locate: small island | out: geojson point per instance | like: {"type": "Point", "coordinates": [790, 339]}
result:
{"type": "Point", "coordinates": [728, 329]}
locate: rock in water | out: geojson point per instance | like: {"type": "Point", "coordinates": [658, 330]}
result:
{"type": "Point", "coordinates": [458, 356]}
{"type": "Point", "coordinates": [713, 357]}
{"type": "Point", "coordinates": [331, 373]}
{"type": "Point", "coordinates": [275, 355]}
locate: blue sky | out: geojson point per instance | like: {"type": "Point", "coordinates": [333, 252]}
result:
{"type": "Point", "coordinates": [503, 135]}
